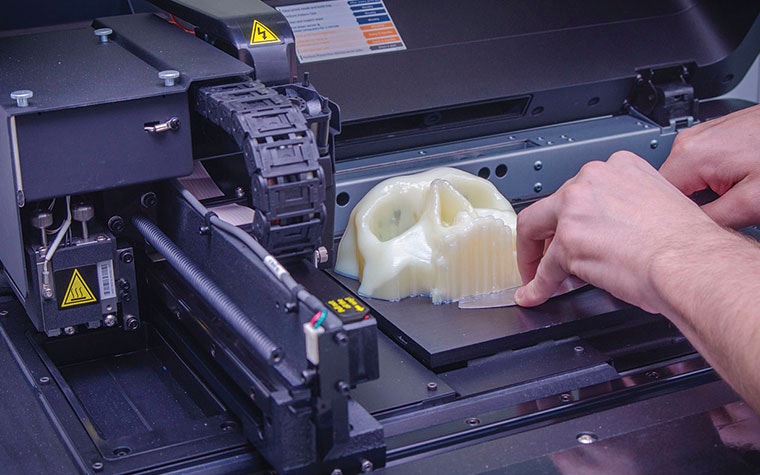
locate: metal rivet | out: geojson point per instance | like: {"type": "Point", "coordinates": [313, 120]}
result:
{"type": "Point", "coordinates": [587, 438]}
{"type": "Point", "coordinates": [432, 386]}
{"type": "Point", "coordinates": [168, 77]}
{"type": "Point", "coordinates": [538, 165]}
{"type": "Point", "coordinates": [472, 421]}
{"type": "Point", "coordinates": [538, 187]}
{"type": "Point", "coordinates": [44, 380]}
{"type": "Point", "coordinates": [103, 34]}
{"type": "Point", "coordinates": [578, 349]}
{"type": "Point", "coordinates": [22, 97]}
{"type": "Point", "coordinates": [653, 144]}
{"type": "Point", "coordinates": [97, 466]}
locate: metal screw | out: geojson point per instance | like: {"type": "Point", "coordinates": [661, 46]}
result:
{"type": "Point", "coordinates": [116, 224]}
{"type": "Point", "coordinates": [127, 257]}
{"type": "Point", "coordinates": [472, 421]}
{"type": "Point", "coordinates": [103, 34]}
{"type": "Point", "coordinates": [101, 238]}
{"type": "Point", "coordinates": [367, 466]}
{"type": "Point", "coordinates": [653, 375]}
{"type": "Point", "coordinates": [337, 471]}
{"type": "Point", "coordinates": [131, 322]}
{"type": "Point", "coordinates": [149, 200]}
{"type": "Point", "coordinates": [47, 291]}
{"type": "Point", "coordinates": [69, 330]}
{"type": "Point", "coordinates": [239, 192]}
{"type": "Point", "coordinates": [343, 387]}
{"type": "Point", "coordinates": [432, 386]}
{"type": "Point", "coordinates": [538, 165]}
{"type": "Point", "coordinates": [22, 97]}
{"type": "Point", "coordinates": [538, 187]}
{"type": "Point", "coordinates": [3, 313]}
{"type": "Point", "coordinates": [341, 338]}
{"type": "Point", "coordinates": [109, 320]}
{"type": "Point", "coordinates": [653, 144]}
{"type": "Point", "coordinates": [97, 466]}
{"type": "Point", "coordinates": [566, 397]}
{"type": "Point", "coordinates": [578, 349]}
{"type": "Point", "coordinates": [44, 380]}
{"type": "Point", "coordinates": [168, 77]}
{"type": "Point", "coordinates": [587, 438]}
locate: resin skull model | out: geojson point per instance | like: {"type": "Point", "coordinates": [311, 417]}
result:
{"type": "Point", "coordinates": [443, 233]}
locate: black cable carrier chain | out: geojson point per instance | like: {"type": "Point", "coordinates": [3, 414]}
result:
{"type": "Point", "coordinates": [281, 155]}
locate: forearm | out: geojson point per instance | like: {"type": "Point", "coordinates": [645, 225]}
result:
{"type": "Point", "coordinates": [710, 285]}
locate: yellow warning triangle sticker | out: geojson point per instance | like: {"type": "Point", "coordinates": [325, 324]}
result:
{"type": "Point", "coordinates": [78, 293]}
{"type": "Point", "coordinates": [261, 34]}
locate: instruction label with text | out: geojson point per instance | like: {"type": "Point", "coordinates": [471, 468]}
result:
{"type": "Point", "coordinates": [341, 29]}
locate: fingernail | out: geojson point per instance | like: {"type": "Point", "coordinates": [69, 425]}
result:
{"type": "Point", "coordinates": [519, 293]}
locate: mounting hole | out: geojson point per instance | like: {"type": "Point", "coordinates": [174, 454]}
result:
{"type": "Point", "coordinates": [537, 110]}
{"type": "Point", "coordinates": [121, 451]}
{"type": "Point", "coordinates": [501, 171]}
{"type": "Point", "coordinates": [343, 198]}
{"type": "Point", "coordinates": [484, 172]}
{"type": "Point", "coordinates": [593, 101]}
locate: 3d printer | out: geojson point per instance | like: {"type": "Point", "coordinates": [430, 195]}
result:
{"type": "Point", "coordinates": [172, 186]}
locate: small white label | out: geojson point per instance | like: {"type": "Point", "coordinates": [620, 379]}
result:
{"type": "Point", "coordinates": [106, 280]}
{"type": "Point", "coordinates": [276, 267]}
{"type": "Point", "coordinates": [341, 29]}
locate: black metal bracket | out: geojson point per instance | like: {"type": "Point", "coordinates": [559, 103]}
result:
{"type": "Point", "coordinates": [665, 94]}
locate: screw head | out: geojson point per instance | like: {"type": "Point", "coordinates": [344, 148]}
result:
{"type": "Point", "coordinates": [44, 380]}
{"type": "Point", "coordinates": [239, 192]}
{"type": "Point", "coordinates": [566, 397]}
{"type": "Point", "coordinates": [579, 349]}
{"type": "Point", "coordinates": [472, 421]}
{"type": "Point", "coordinates": [103, 34]}
{"type": "Point", "coordinates": [97, 466]}
{"type": "Point", "coordinates": [538, 165]}
{"type": "Point", "coordinates": [432, 386]}
{"type": "Point", "coordinates": [653, 144]}
{"type": "Point", "coordinates": [109, 320]}
{"type": "Point", "coordinates": [22, 97]}
{"type": "Point", "coordinates": [538, 187]}
{"type": "Point", "coordinates": [168, 77]}
{"type": "Point", "coordinates": [69, 330]}
{"type": "Point", "coordinates": [587, 438]}
{"type": "Point", "coordinates": [367, 466]}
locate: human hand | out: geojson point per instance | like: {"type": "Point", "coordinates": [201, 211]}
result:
{"type": "Point", "coordinates": [605, 226]}
{"type": "Point", "coordinates": [723, 154]}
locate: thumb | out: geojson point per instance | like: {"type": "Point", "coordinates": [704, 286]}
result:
{"type": "Point", "coordinates": [736, 208]}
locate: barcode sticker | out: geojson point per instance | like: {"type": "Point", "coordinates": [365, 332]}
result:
{"type": "Point", "coordinates": [106, 280]}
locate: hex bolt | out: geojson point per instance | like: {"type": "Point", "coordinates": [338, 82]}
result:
{"type": "Point", "coordinates": [109, 320]}
{"type": "Point", "coordinates": [538, 187]}
{"type": "Point", "coordinates": [367, 466]}
{"type": "Point", "coordinates": [538, 165]}
{"type": "Point", "coordinates": [103, 34]}
{"type": "Point", "coordinates": [69, 330]}
{"type": "Point", "coordinates": [22, 97]}
{"type": "Point", "coordinates": [168, 77]}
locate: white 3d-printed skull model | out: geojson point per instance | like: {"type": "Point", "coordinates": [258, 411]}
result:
{"type": "Point", "coordinates": [443, 233]}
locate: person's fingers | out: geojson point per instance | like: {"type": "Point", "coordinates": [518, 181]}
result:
{"type": "Point", "coordinates": [737, 207]}
{"type": "Point", "coordinates": [680, 172]}
{"type": "Point", "coordinates": [549, 277]}
{"type": "Point", "coordinates": [535, 224]}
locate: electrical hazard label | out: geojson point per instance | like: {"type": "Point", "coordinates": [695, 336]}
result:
{"type": "Point", "coordinates": [261, 34]}
{"type": "Point", "coordinates": [78, 291]}
{"type": "Point", "coordinates": [341, 29]}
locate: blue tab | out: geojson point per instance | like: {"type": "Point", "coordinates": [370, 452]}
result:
{"type": "Point", "coordinates": [373, 19]}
